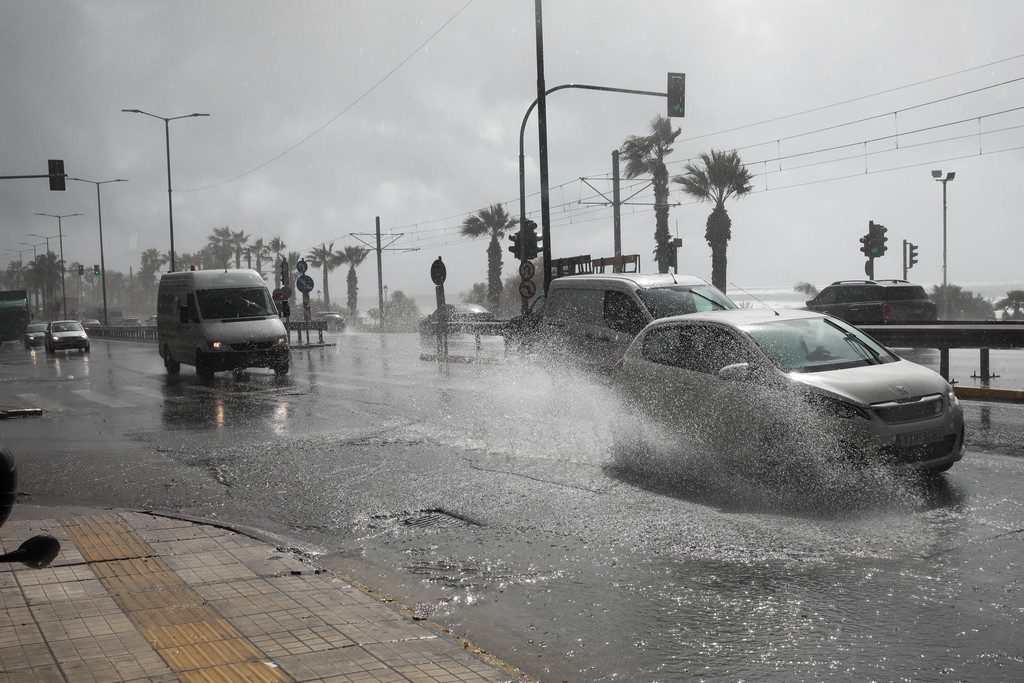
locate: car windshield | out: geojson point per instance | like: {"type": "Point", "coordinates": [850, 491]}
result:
{"type": "Point", "coordinates": [816, 345]}
{"type": "Point", "coordinates": [664, 302]}
{"type": "Point", "coordinates": [236, 302]}
{"type": "Point", "coordinates": [36, 327]}
{"type": "Point", "coordinates": [70, 326]}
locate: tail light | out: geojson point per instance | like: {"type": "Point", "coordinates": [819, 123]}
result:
{"type": "Point", "coordinates": [887, 311]}
{"type": "Point", "coordinates": [619, 363]}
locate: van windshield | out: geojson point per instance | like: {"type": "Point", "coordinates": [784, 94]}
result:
{"type": "Point", "coordinates": [664, 302]}
{"type": "Point", "coordinates": [237, 302]}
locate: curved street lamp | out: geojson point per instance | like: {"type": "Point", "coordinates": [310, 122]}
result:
{"type": "Point", "coordinates": [99, 215]}
{"type": "Point", "coordinates": [937, 175]}
{"type": "Point", "coordinates": [167, 139]}
{"type": "Point", "coordinates": [60, 237]}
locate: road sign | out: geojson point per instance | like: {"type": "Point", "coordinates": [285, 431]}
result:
{"type": "Point", "coordinates": [438, 272]}
{"type": "Point", "coordinates": [527, 270]}
{"type": "Point", "coordinates": [527, 288]}
{"type": "Point", "coordinates": [302, 266]}
{"type": "Point", "coordinates": [304, 283]}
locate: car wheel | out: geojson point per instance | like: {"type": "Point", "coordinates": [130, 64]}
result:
{"type": "Point", "coordinates": [172, 366]}
{"type": "Point", "coordinates": [281, 369]}
{"type": "Point", "coordinates": [203, 367]}
{"type": "Point", "coordinates": [85, 349]}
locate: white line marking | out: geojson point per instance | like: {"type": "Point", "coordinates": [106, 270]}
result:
{"type": "Point", "coordinates": [42, 402]}
{"type": "Point", "coordinates": [96, 397]}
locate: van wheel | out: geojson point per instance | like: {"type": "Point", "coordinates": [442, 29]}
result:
{"type": "Point", "coordinates": [203, 367]}
{"type": "Point", "coordinates": [172, 366]}
{"type": "Point", "coordinates": [281, 369]}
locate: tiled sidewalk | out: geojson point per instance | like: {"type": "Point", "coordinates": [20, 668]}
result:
{"type": "Point", "coordinates": [137, 597]}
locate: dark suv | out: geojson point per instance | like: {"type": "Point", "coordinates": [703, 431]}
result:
{"type": "Point", "coordinates": [874, 301]}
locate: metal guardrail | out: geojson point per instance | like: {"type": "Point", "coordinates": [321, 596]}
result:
{"type": "Point", "coordinates": [131, 333]}
{"type": "Point", "coordinates": [946, 335]}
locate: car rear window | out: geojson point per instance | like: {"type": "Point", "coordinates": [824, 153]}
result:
{"type": "Point", "coordinates": [903, 293]}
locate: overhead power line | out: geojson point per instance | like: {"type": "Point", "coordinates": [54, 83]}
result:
{"type": "Point", "coordinates": [340, 113]}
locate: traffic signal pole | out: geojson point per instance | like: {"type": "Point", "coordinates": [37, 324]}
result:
{"type": "Point", "coordinates": [904, 259]}
{"type": "Point", "coordinates": [616, 208]}
{"type": "Point", "coordinates": [542, 136]}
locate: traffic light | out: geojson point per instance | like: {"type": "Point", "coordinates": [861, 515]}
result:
{"type": "Point", "coordinates": [531, 243]}
{"type": "Point", "coordinates": [55, 169]}
{"type": "Point", "coordinates": [865, 245]}
{"type": "Point", "coordinates": [877, 232]}
{"type": "Point", "coordinates": [96, 269]}
{"type": "Point", "coordinates": [81, 270]}
{"type": "Point", "coordinates": [518, 244]}
{"type": "Point", "coordinates": [911, 255]}
{"type": "Point", "coordinates": [676, 94]}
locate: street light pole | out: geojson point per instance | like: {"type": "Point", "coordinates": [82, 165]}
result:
{"type": "Point", "coordinates": [167, 140]}
{"type": "Point", "coordinates": [99, 216]}
{"type": "Point", "coordinates": [60, 238]}
{"type": "Point", "coordinates": [937, 175]}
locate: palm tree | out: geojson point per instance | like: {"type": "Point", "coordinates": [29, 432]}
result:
{"type": "Point", "coordinates": [219, 247]}
{"type": "Point", "coordinates": [44, 274]}
{"type": "Point", "coordinates": [259, 251]}
{"type": "Point", "coordinates": [149, 266]}
{"type": "Point", "coordinates": [326, 258]}
{"type": "Point", "coordinates": [276, 245]}
{"type": "Point", "coordinates": [239, 240]}
{"type": "Point", "coordinates": [719, 176]}
{"type": "Point", "coordinates": [806, 288]}
{"type": "Point", "coordinates": [645, 155]}
{"type": "Point", "coordinates": [354, 257]}
{"type": "Point", "coordinates": [1013, 305]}
{"type": "Point", "coordinates": [496, 223]}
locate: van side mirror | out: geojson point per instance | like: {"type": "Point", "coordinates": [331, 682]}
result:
{"type": "Point", "coordinates": [737, 372]}
{"type": "Point", "coordinates": [183, 314]}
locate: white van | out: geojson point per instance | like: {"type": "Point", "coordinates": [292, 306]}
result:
{"type": "Point", "coordinates": [219, 320]}
{"type": "Point", "coordinates": [593, 318]}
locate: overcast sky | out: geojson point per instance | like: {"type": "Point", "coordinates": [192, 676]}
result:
{"type": "Point", "coordinates": [439, 137]}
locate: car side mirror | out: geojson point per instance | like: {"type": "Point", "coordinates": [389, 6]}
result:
{"type": "Point", "coordinates": [737, 372]}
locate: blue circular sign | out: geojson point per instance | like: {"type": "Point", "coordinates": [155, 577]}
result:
{"type": "Point", "coordinates": [304, 283]}
{"type": "Point", "coordinates": [302, 266]}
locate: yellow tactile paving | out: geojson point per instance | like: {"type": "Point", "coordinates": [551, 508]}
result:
{"type": "Point", "coordinates": [196, 643]}
{"type": "Point", "coordinates": [255, 672]}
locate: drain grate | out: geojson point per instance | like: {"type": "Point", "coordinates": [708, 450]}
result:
{"type": "Point", "coordinates": [435, 518]}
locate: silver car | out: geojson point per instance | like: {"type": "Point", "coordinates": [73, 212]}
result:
{"type": "Point", "coordinates": [35, 335]}
{"type": "Point", "coordinates": [66, 334]}
{"type": "Point", "coordinates": [728, 368]}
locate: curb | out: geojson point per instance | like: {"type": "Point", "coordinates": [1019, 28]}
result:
{"type": "Point", "coordinates": [989, 394]}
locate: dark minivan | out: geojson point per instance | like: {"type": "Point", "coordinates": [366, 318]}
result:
{"type": "Point", "coordinates": [874, 302]}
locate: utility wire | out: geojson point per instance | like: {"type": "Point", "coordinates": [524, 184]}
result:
{"type": "Point", "coordinates": [340, 113]}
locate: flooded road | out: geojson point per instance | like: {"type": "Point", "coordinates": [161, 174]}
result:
{"type": "Point", "coordinates": [495, 500]}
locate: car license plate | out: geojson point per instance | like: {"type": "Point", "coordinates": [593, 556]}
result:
{"type": "Point", "coordinates": [918, 438]}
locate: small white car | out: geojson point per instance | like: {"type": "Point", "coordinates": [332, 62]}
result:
{"type": "Point", "coordinates": [65, 334]}
{"type": "Point", "coordinates": [726, 369]}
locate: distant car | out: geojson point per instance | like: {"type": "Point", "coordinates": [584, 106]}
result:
{"type": "Point", "coordinates": [35, 335]}
{"type": "Point", "coordinates": [455, 314]}
{"type": "Point", "coordinates": [335, 321]}
{"type": "Point", "coordinates": [724, 371]}
{"type": "Point", "coordinates": [864, 302]}
{"type": "Point", "coordinates": [66, 334]}
{"type": "Point", "coordinates": [91, 324]}
{"type": "Point", "coordinates": [131, 322]}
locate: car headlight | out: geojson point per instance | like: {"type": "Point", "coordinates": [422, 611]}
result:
{"type": "Point", "coordinates": [951, 398]}
{"type": "Point", "coordinates": [55, 338]}
{"type": "Point", "coordinates": [833, 407]}
{"type": "Point", "coordinates": [216, 345]}
{"type": "Point", "coordinates": [282, 341]}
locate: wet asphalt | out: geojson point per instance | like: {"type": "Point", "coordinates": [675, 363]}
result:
{"type": "Point", "coordinates": [496, 500]}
